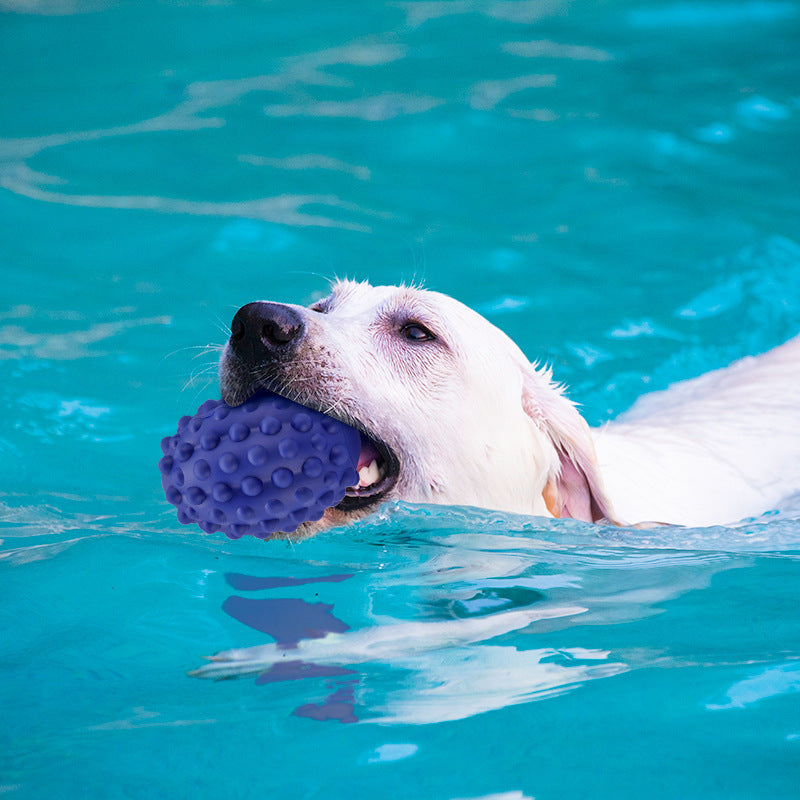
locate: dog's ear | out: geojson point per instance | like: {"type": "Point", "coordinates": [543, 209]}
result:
{"type": "Point", "coordinates": [574, 487]}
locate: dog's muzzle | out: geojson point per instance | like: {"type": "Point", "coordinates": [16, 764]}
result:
{"type": "Point", "coordinates": [265, 339]}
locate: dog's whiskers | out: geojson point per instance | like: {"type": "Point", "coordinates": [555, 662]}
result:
{"type": "Point", "coordinates": [205, 349]}
{"type": "Point", "coordinates": [200, 377]}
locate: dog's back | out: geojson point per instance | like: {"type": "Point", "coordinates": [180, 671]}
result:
{"type": "Point", "coordinates": [717, 448]}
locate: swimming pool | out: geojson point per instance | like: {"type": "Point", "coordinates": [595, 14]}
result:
{"type": "Point", "coordinates": [615, 185]}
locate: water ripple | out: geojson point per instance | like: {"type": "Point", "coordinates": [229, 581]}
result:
{"type": "Point", "coordinates": [376, 108]}
{"type": "Point", "coordinates": [286, 209]}
{"type": "Point", "coordinates": [17, 343]}
{"type": "Point", "coordinates": [544, 48]}
{"type": "Point", "coordinates": [190, 114]}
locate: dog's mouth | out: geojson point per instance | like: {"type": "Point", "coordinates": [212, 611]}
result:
{"type": "Point", "coordinates": [378, 471]}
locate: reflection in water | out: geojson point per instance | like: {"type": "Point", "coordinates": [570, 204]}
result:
{"type": "Point", "coordinates": [287, 620]}
{"type": "Point", "coordinates": [456, 675]}
{"type": "Point", "coordinates": [496, 619]}
{"type": "Point", "coordinates": [769, 682]}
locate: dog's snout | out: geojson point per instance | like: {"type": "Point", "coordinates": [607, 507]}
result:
{"type": "Point", "coordinates": [262, 331]}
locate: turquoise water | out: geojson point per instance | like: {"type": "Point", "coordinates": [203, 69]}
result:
{"type": "Point", "coordinates": [614, 184]}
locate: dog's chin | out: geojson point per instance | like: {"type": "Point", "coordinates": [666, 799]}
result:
{"type": "Point", "coordinates": [333, 517]}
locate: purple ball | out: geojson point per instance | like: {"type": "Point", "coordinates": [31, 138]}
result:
{"type": "Point", "coordinates": [267, 465]}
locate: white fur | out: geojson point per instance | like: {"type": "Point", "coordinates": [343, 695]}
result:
{"type": "Point", "coordinates": [711, 450]}
{"type": "Point", "coordinates": [474, 423]}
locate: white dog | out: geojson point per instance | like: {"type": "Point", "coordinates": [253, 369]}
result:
{"type": "Point", "coordinates": [452, 412]}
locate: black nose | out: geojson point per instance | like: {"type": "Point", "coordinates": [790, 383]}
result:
{"type": "Point", "coordinates": [264, 331]}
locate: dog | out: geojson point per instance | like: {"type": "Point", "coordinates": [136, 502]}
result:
{"type": "Point", "coordinates": [452, 412]}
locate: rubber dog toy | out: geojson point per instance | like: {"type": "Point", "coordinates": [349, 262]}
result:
{"type": "Point", "coordinates": [267, 465]}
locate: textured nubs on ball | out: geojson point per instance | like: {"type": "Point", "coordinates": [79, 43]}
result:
{"type": "Point", "coordinates": [265, 466]}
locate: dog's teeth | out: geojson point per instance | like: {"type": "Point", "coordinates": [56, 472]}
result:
{"type": "Point", "coordinates": [369, 475]}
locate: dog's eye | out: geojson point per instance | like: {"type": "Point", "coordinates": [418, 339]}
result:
{"type": "Point", "coordinates": [416, 332]}
{"type": "Point", "coordinates": [321, 306]}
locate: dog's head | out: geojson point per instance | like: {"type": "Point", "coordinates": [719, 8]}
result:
{"type": "Point", "coordinates": [449, 408]}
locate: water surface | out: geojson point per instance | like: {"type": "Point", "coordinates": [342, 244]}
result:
{"type": "Point", "coordinates": [614, 185]}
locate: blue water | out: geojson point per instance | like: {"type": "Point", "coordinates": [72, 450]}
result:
{"type": "Point", "coordinates": [614, 184]}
